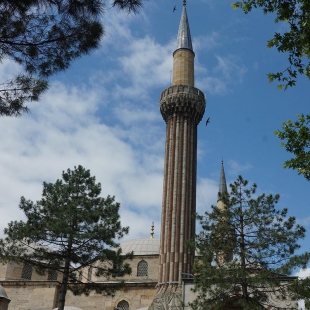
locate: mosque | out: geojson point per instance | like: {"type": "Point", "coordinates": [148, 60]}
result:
{"type": "Point", "coordinates": [161, 276]}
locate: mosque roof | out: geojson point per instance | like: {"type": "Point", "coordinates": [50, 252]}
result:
{"type": "Point", "coordinates": [3, 293]}
{"type": "Point", "coordinates": [184, 39]}
{"type": "Point", "coordinates": [141, 246]}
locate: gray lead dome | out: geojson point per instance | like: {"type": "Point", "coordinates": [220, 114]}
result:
{"type": "Point", "coordinates": [3, 293]}
{"type": "Point", "coordinates": [142, 246]}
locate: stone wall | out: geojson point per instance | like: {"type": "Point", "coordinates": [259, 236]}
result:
{"type": "Point", "coordinates": [137, 295]}
{"type": "Point", "coordinates": [152, 261]}
{"type": "Point", "coordinates": [26, 295]}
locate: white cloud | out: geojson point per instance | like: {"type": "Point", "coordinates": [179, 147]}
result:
{"type": "Point", "coordinates": [220, 78]}
{"type": "Point", "coordinates": [62, 132]}
{"type": "Point", "coordinates": [303, 273]}
{"type": "Point", "coordinates": [229, 68]}
{"type": "Point", "coordinates": [212, 85]}
{"type": "Point", "coordinates": [206, 42]}
{"type": "Point", "coordinates": [236, 168]}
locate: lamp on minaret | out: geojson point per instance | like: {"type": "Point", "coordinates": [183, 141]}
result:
{"type": "Point", "coordinates": [225, 237]}
{"type": "Point", "coordinates": [182, 107]}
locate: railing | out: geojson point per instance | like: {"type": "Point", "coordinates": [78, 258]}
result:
{"type": "Point", "coordinates": [182, 89]}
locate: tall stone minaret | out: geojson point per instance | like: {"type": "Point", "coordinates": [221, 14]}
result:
{"type": "Point", "coordinates": [182, 107]}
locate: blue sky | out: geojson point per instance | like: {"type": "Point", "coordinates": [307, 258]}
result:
{"type": "Point", "coordinates": [103, 114]}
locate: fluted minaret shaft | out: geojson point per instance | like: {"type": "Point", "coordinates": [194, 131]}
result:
{"type": "Point", "coordinates": [182, 107]}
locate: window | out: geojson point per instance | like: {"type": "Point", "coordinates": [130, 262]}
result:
{"type": "Point", "coordinates": [52, 275]}
{"type": "Point", "coordinates": [142, 268]}
{"type": "Point", "coordinates": [90, 271]}
{"type": "Point", "coordinates": [27, 272]}
{"type": "Point", "coordinates": [123, 305]}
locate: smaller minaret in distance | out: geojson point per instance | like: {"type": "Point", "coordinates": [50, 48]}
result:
{"type": "Point", "coordinates": [224, 254]}
{"type": "Point", "coordinates": [222, 188]}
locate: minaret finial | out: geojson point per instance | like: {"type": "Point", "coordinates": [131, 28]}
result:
{"type": "Point", "coordinates": [184, 2]}
{"type": "Point", "coordinates": [152, 231]}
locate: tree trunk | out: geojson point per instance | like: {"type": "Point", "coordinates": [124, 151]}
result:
{"type": "Point", "coordinates": [242, 257]}
{"type": "Point", "coordinates": [64, 283]}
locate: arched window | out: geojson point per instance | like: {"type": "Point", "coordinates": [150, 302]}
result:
{"type": "Point", "coordinates": [142, 268]}
{"type": "Point", "coordinates": [27, 272]}
{"type": "Point", "coordinates": [123, 305]}
{"type": "Point", "coordinates": [52, 275]}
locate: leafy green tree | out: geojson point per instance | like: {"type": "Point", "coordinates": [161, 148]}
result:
{"type": "Point", "coordinates": [297, 141]}
{"type": "Point", "coordinates": [294, 41]}
{"type": "Point", "coordinates": [263, 242]}
{"type": "Point", "coordinates": [69, 228]}
{"type": "Point", "coordinates": [44, 37]}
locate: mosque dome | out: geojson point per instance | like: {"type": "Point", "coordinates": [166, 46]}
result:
{"type": "Point", "coordinates": [3, 293]}
{"type": "Point", "coordinates": [141, 246]}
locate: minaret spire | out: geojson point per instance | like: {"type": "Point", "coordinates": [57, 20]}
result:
{"type": "Point", "coordinates": [184, 39]}
{"type": "Point", "coordinates": [223, 186]}
{"type": "Point", "coordinates": [229, 239]}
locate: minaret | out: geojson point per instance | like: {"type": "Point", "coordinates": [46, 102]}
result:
{"type": "Point", "coordinates": [229, 239]}
{"type": "Point", "coordinates": [182, 107]}
{"type": "Point", "coordinates": [222, 187]}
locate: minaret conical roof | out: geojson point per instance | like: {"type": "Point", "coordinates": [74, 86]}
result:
{"type": "Point", "coordinates": [223, 186]}
{"type": "Point", "coordinates": [184, 39]}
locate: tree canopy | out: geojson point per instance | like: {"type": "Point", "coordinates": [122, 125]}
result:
{"type": "Point", "coordinates": [297, 141]}
{"type": "Point", "coordinates": [44, 37]}
{"type": "Point", "coordinates": [295, 40]}
{"type": "Point", "coordinates": [247, 253]}
{"type": "Point", "coordinates": [69, 228]}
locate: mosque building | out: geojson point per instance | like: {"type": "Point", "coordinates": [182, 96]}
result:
{"type": "Point", "coordinates": [162, 275]}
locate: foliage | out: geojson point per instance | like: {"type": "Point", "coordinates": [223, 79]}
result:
{"type": "Point", "coordinates": [295, 41]}
{"type": "Point", "coordinates": [297, 137]}
{"type": "Point", "coordinates": [69, 228]}
{"type": "Point", "coordinates": [302, 288]}
{"type": "Point", "coordinates": [44, 37]}
{"type": "Point", "coordinates": [263, 242]}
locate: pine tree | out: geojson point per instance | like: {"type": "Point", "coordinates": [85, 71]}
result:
{"type": "Point", "coordinates": [44, 37]}
{"type": "Point", "coordinates": [247, 253]}
{"type": "Point", "coordinates": [69, 228]}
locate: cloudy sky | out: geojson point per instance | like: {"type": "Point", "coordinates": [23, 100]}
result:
{"type": "Point", "coordinates": [103, 114]}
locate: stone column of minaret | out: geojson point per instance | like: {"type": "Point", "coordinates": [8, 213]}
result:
{"type": "Point", "coordinates": [182, 107]}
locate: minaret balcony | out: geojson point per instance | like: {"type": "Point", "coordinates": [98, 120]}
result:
{"type": "Point", "coordinates": [182, 100]}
